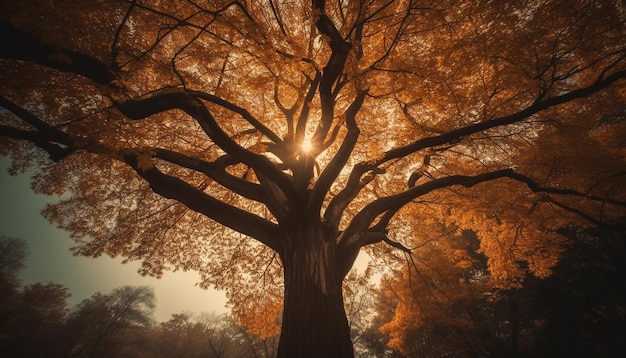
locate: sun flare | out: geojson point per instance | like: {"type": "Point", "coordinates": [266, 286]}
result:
{"type": "Point", "coordinates": [306, 146]}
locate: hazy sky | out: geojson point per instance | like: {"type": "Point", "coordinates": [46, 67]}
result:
{"type": "Point", "coordinates": [50, 259]}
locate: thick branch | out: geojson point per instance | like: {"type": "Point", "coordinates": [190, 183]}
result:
{"type": "Point", "coordinates": [363, 220]}
{"type": "Point", "coordinates": [340, 159]}
{"type": "Point", "coordinates": [176, 98]}
{"type": "Point", "coordinates": [237, 219]}
{"type": "Point", "coordinates": [54, 141]}
{"type": "Point", "coordinates": [353, 186]}
{"type": "Point", "coordinates": [241, 111]}
{"type": "Point", "coordinates": [28, 117]}
{"type": "Point", "coordinates": [17, 44]}
{"type": "Point", "coordinates": [306, 107]}
{"type": "Point", "coordinates": [333, 69]}
{"type": "Point", "coordinates": [56, 151]}
{"type": "Point", "coordinates": [214, 171]}
{"type": "Point", "coordinates": [276, 201]}
{"type": "Point", "coordinates": [538, 106]}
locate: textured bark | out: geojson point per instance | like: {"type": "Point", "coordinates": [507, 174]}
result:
{"type": "Point", "coordinates": [314, 319]}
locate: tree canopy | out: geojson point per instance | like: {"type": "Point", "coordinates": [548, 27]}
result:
{"type": "Point", "coordinates": [242, 139]}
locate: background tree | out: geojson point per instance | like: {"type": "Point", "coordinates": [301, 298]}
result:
{"type": "Point", "coordinates": [443, 305]}
{"type": "Point", "coordinates": [208, 335]}
{"type": "Point", "coordinates": [452, 310]}
{"type": "Point", "coordinates": [31, 317]}
{"type": "Point", "coordinates": [179, 337]}
{"type": "Point", "coordinates": [581, 306]}
{"type": "Point", "coordinates": [109, 325]}
{"type": "Point", "coordinates": [245, 138]}
{"type": "Point", "coordinates": [13, 252]}
{"type": "Point", "coordinates": [36, 324]}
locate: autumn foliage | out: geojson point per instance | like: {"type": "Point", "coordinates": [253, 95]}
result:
{"type": "Point", "coordinates": [174, 130]}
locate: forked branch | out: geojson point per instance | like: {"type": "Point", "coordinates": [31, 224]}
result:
{"type": "Point", "coordinates": [538, 106]}
{"type": "Point", "coordinates": [362, 222]}
{"type": "Point", "coordinates": [232, 217]}
{"type": "Point", "coordinates": [176, 98]}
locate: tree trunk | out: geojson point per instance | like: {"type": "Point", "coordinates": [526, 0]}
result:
{"type": "Point", "coordinates": [314, 318]}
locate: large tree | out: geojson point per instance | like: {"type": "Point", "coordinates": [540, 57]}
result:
{"type": "Point", "coordinates": [242, 138]}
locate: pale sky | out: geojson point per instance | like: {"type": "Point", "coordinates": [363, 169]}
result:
{"type": "Point", "coordinates": [50, 260]}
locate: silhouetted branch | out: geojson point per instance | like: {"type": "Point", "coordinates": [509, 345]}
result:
{"type": "Point", "coordinates": [540, 105]}
{"type": "Point", "coordinates": [337, 163]}
{"type": "Point", "coordinates": [176, 98]}
{"type": "Point", "coordinates": [55, 142]}
{"type": "Point", "coordinates": [237, 219]}
{"type": "Point", "coordinates": [16, 44]}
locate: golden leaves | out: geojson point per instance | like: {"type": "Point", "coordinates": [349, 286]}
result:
{"type": "Point", "coordinates": [445, 277]}
{"type": "Point", "coordinates": [251, 275]}
{"type": "Point", "coordinates": [260, 316]}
